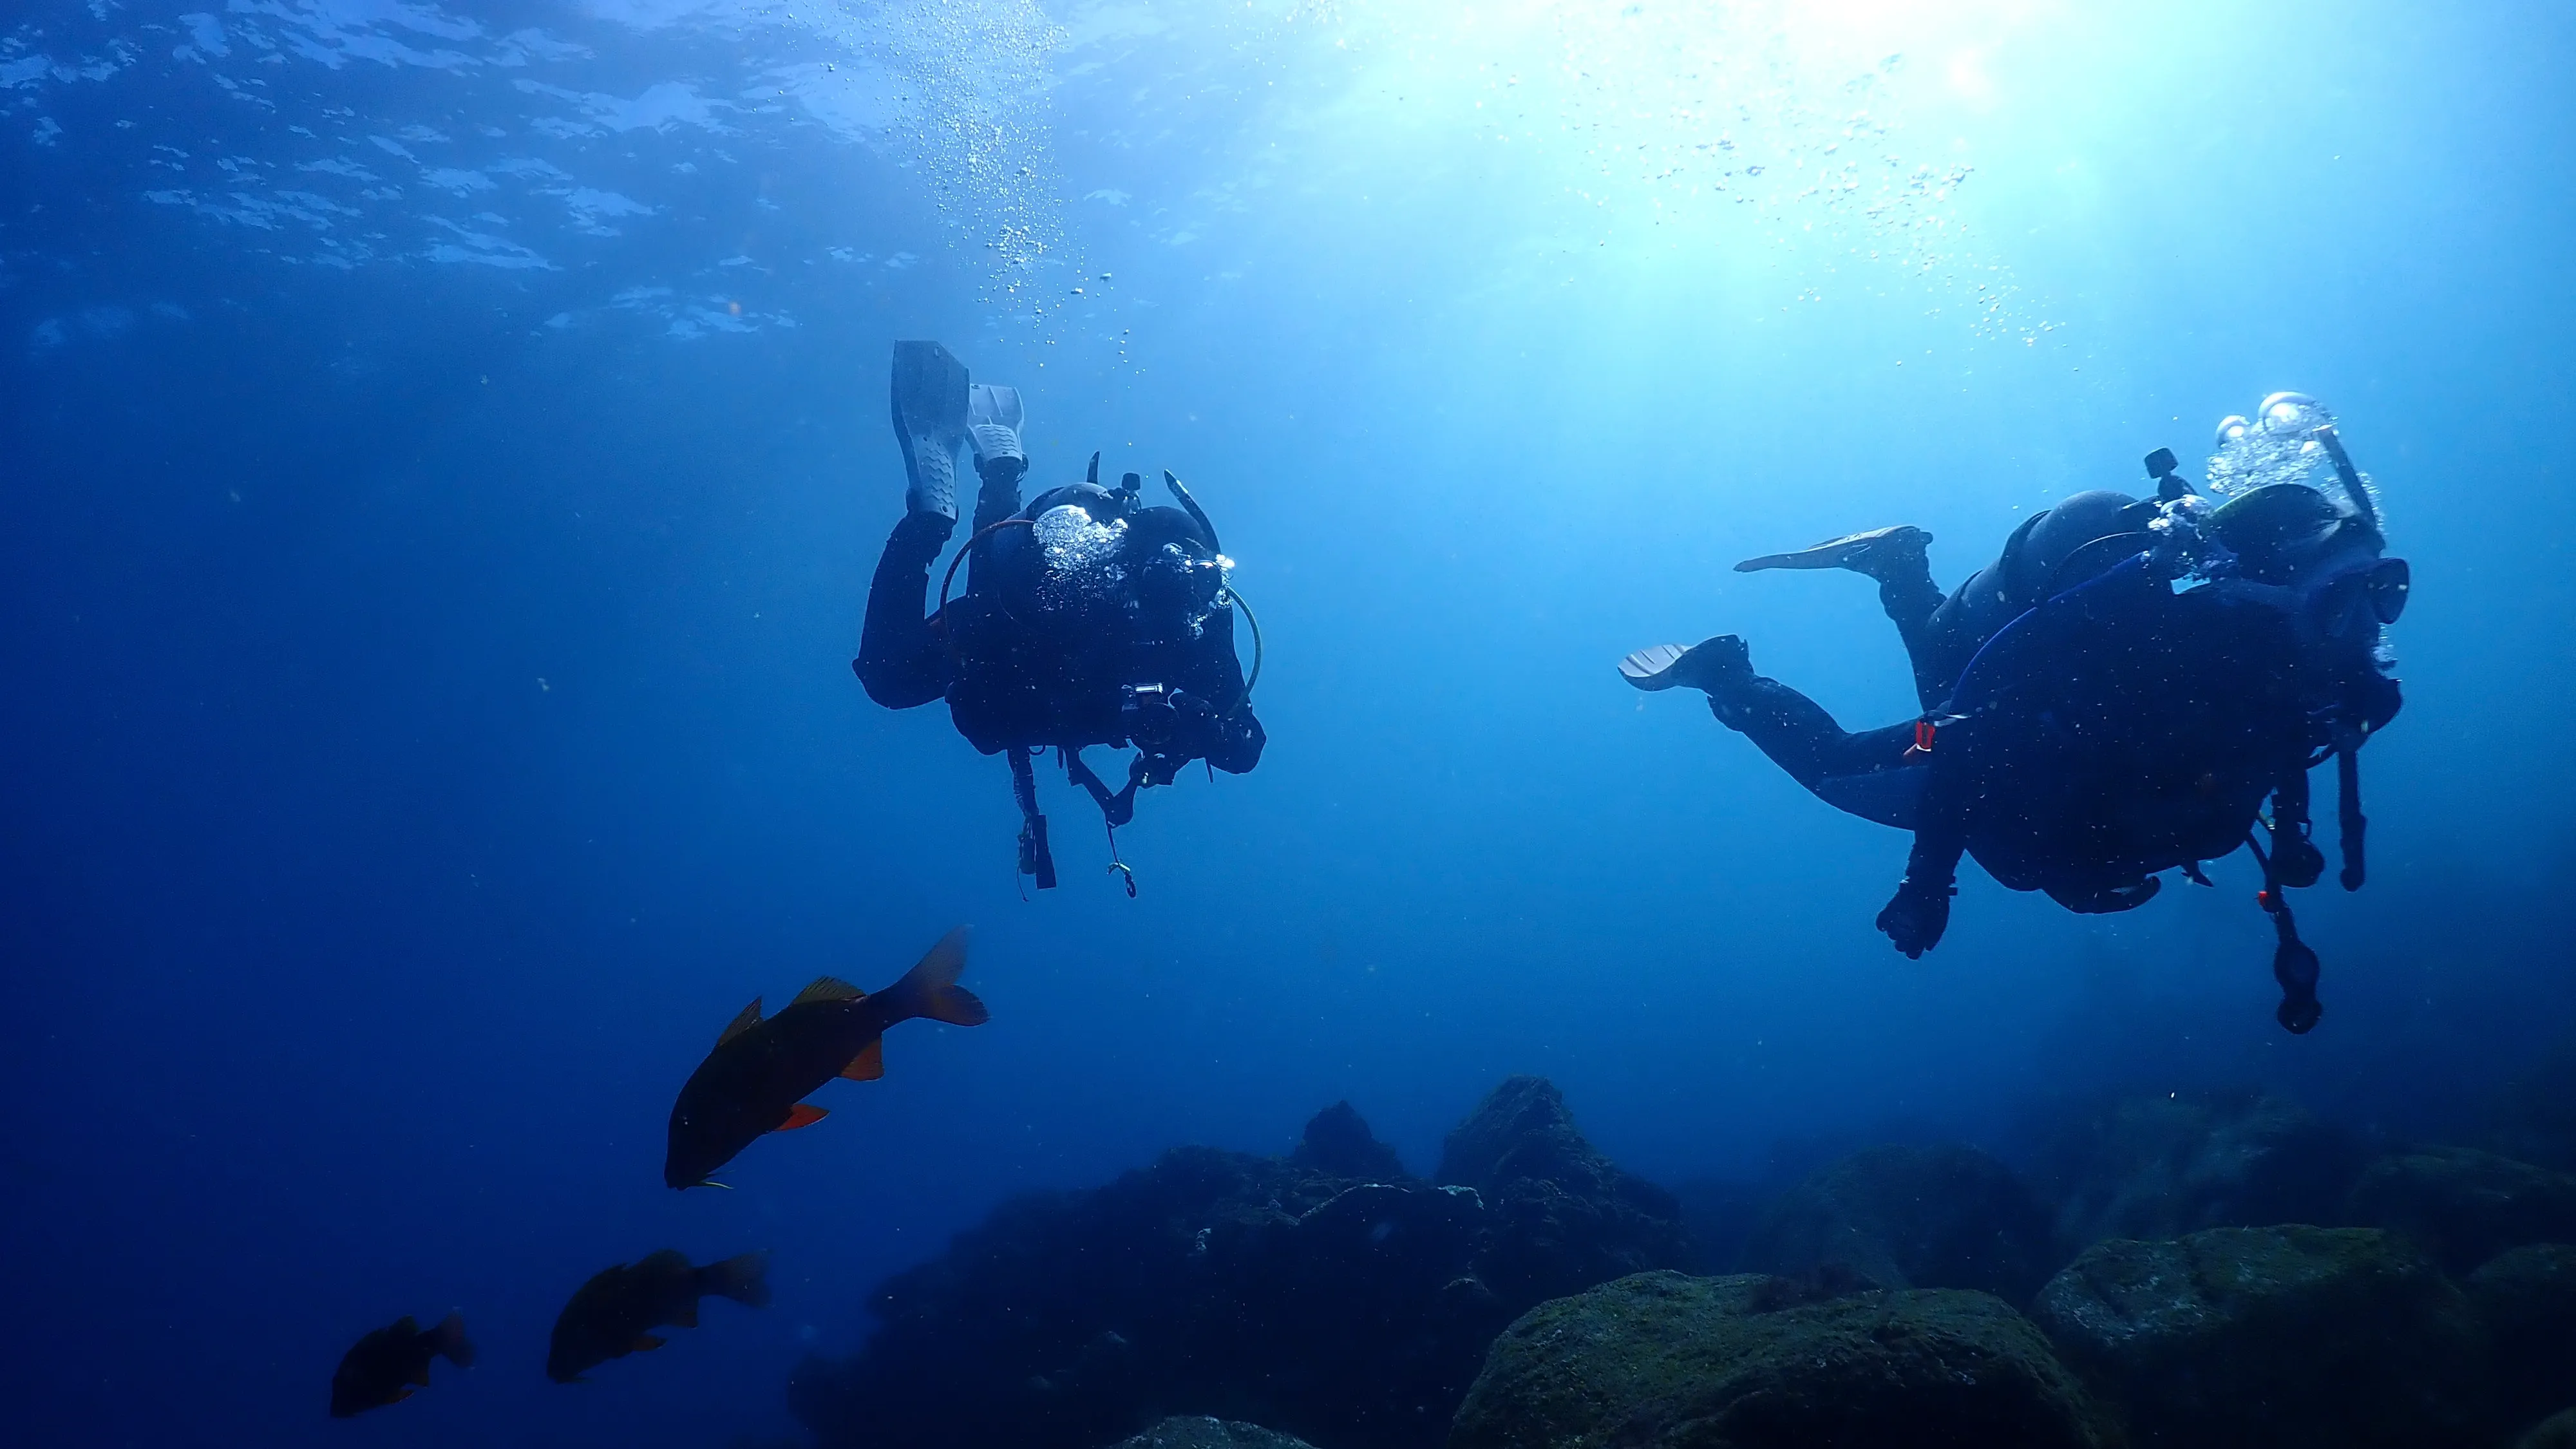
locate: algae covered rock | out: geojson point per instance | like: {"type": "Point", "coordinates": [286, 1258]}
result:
{"type": "Point", "coordinates": [1564, 1217]}
{"type": "Point", "coordinates": [1909, 1217]}
{"type": "Point", "coordinates": [1667, 1361]}
{"type": "Point", "coordinates": [2526, 1296]}
{"type": "Point", "coordinates": [2558, 1431]}
{"type": "Point", "coordinates": [1320, 1293]}
{"type": "Point", "coordinates": [2161, 1166]}
{"type": "Point", "coordinates": [2464, 1206]}
{"type": "Point", "coordinates": [1204, 1433]}
{"type": "Point", "coordinates": [2285, 1337]}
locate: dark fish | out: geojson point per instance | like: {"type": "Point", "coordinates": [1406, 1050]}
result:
{"type": "Point", "coordinates": [386, 1365]}
{"type": "Point", "coordinates": [755, 1079]}
{"type": "Point", "coordinates": [615, 1313]}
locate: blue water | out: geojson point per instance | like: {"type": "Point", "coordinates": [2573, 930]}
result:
{"type": "Point", "coordinates": [446, 448]}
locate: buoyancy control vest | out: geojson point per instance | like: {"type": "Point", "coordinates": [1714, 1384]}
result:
{"type": "Point", "coordinates": [2118, 730]}
{"type": "Point", "coordinates": [1087, 597]}
{"type": "Point", "coordinates": [1091, 618]}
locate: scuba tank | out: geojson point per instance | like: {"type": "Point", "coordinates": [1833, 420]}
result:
{"type": "Point", "coordinates": [1093, 618]}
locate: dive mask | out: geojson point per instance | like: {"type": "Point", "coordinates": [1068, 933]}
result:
{"type": "Point", "coordinates": [2382, 585]}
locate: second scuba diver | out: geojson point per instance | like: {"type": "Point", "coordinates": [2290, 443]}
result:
{"type": "Point", "coordinates": [1088, 617]}
{"type": "Point", "coordinates": [2086, 724]}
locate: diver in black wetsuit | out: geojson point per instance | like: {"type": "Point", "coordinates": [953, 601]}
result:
{"type": "Point", "coordinates": [2085, 725]}
{"type": "Point", "coordinates": [1088, 617]}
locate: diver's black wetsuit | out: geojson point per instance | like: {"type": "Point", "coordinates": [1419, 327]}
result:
{"type": "Point", "coordinates": [1025, 661]}
{"type": "Point", "coordinates": [1942, 633]}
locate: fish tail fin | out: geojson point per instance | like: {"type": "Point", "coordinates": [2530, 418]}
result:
{"type": "Point", "coordinates": [930, 988]}
{"type": "Point", "coordinates": [449, 1340]}
{"type": "Point", "coordinates": [743, 1278]}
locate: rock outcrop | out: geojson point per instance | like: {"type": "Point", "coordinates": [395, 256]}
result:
{"type": "Point", "coordinates": [2284, 1338]}
{"type": "Point", "coordinates": [1664, 1361]}
{"type": "Point", "coordinates": [1910, 1217]}
{"type": "Point", "coordinates": [2160, 1167]}
{"type": "Point", "coordinates": [2464, 1206]}
{"type": "Point", "coordinates": [1339, 1144]}
{"type": "Point", "coordinates": [2558, 1431]}
{"type": "Point", "coordinates": [1284, 1292]}
{"type": "Point", "coordinates": [1561, 1216]}
{"type": "Point", "coordinates": [1206, 1433]}
{"type": "Point", "coordinates": [2526, 1297]}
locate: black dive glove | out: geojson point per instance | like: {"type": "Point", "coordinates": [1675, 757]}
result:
{"type": "Point", "coordinates": [1917, 915]}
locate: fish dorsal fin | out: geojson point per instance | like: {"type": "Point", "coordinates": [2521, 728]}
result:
{"type": "Point", "coordinates": [828, 988]}
{"type": "Point", "coordinates": [868, 1065]}
{"type": "Point", "coordinates": [745, 1021]}
{"type": "Point", "coordinates": [663, 1260]}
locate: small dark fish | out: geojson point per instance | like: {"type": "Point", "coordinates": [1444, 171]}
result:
{"type": "Point", "coordinates": [386, 1365]}
{"type": "Point", "coordinates": [755, 1079]}
{"type": "Point", "coordinates": [615, 1313]}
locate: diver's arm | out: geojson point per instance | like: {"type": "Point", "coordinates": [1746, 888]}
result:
{"type": "Point", "coordinates": [1917, 915]}
{"type": "Point", "coordinates": [2296, 861]}
{"type": "Point", "coordinates": [901, 661]}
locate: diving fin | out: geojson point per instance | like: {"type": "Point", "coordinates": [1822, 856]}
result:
{"type": "Point", "coordinates": [1862, 553]}
{"type": "Point", "coordinates": [930, 413]}
{"type": "Point", "coordinates": [993, 417]}
{"type": "Point", "coordinates": [1708, 665]}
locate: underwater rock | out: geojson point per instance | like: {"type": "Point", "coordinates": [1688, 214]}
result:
{"type": "Point", "coordinates": [1663, 1361]}
{"type": "Point", "coordinates": [2157, 1167]}
{"type": "Point", "coordinates": [1349, 1311]}
{"type": "Point", "coordinates": [2526, 1296]}
{"type": "Point", "coordinates": [1338, 1142]}
{"type": "Point", "coordinates": [2464, 1206]}
{"type": "Point", "coordinates": [1910, 1217]}
{"type": "Point", "coordinates": [2284, 1337]}
{"type": "Point", "coordinates": [1563, 1217]}
{"type": "Point", "coordinates": [2558, 1431]}
{"type": "Point", "coordinates": [2534, 1118]}
{"type": "Point", "coordinates": [1206, 1433]}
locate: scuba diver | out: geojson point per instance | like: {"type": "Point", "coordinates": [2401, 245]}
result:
{"type": "Point", "coordinates": [2088, 724]}
{"type": "Point", "coordinates": [1088, 616]}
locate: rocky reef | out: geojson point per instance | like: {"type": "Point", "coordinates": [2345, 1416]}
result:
{"type": "Point", "coordinates": [1205, 1433]}
{"type": "Point", "coordinates": [2464, 1206]}
{"type": "Point", "coordinates": [1664, 1361]}
{"type": "Point", "coordinates": [2283, 1336]}
{"type": "Point", "coordinates": [2151, 1167]}
{"type": "Point", "coordinates": [2214, 1271]}
{"type": "Point", "coordinates": [1325, 1294]}
{"type": "Point", "coordinates": [1909, 1217]}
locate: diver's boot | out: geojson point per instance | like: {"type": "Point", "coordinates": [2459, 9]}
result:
{"type": "Point", "coordinates": [1710, 666]}
{"type": "Point", "coordinates": [993, 425]}
{"type": "Point", "coordinates": [930, 422]}
{"type": "Point", "coordinates": [1881, 554]}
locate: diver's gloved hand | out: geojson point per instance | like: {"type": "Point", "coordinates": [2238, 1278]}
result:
{"type": "Point", "coordinates": [1916, 917]}
{"type": "Point", "coordinates": [2297, 861]}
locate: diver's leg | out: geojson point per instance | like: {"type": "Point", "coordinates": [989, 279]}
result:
{"type": "Point", "coordinates": [993, 426]}
{"type": "Point", "coordinates": [901, 662]}
{"type": "Point", "coordinates": [1795, 731]}
{"type": "Point", "coordinates": [1898, 559]}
